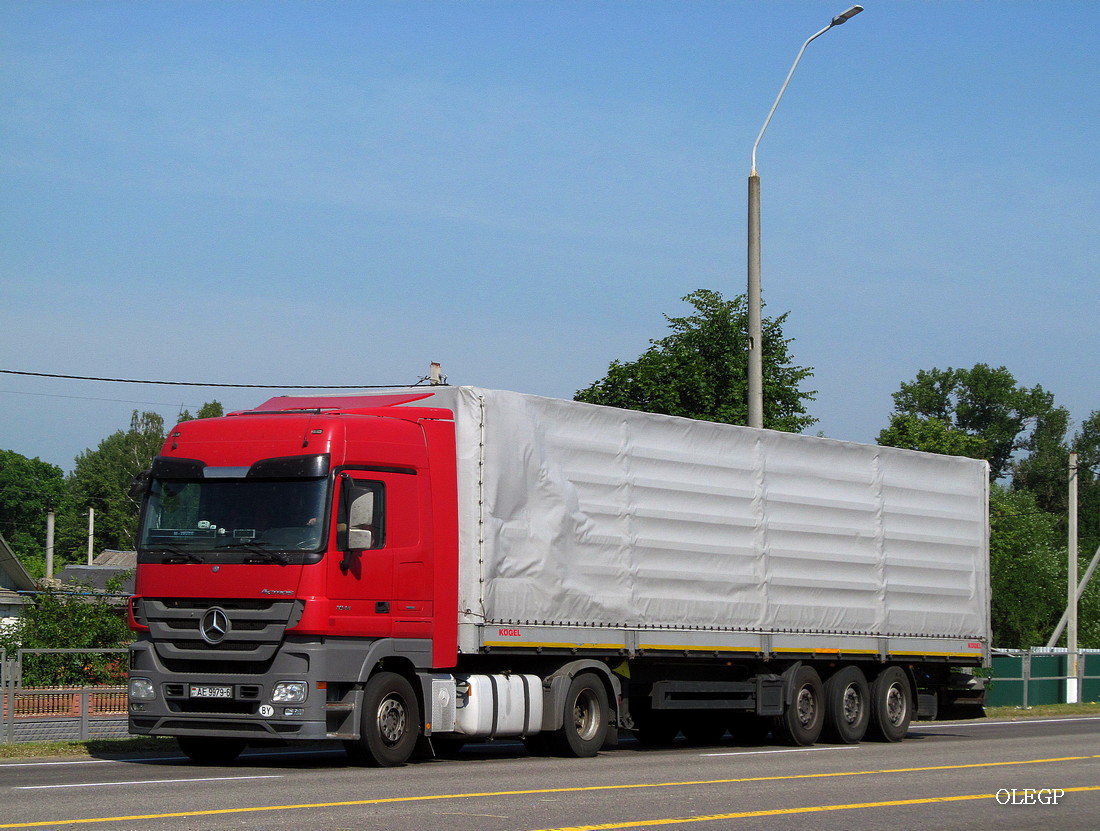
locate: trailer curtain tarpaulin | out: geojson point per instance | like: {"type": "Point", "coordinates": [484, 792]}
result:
{"type": "Point", "coordinates": [578, 514]}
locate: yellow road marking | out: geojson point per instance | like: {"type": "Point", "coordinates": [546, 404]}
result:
{"type": "Point", "coordinates": [587, 788]}
{"type": "Point", "coordinates": [775, 812]}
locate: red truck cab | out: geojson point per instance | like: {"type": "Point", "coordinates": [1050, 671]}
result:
{"type": "Point", "coordinates": [284, 552]}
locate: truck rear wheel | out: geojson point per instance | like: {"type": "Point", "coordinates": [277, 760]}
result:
{"type": "Point", "coordinates": [802, 721]}
{"type": "Point", "coordinates": [585, 719]}
{"type": "Point", "coordinates": [390, 722]}
{"type": "Point", "coordinates": [891, 706]}
{"type": "Point", "coordinates": [847, 706]}
{"type": "Point", "coordinates": [206, 750]}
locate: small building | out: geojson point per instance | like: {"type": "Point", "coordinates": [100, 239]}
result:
{"type": "Point", "coordinates": [106, 567]}
{"type": "Point", "coordinates": [16, 585]}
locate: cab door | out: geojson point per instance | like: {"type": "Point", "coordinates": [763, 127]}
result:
{"type": "Point", "coordinates": [378, 581]}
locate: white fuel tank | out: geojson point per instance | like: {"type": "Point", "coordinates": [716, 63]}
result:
{"type": "Point", "coordinates": [491, 706]}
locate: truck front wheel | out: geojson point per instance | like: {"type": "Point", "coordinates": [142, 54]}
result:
{"type": "Point", "coordinates": [585, 719]}
{"type": "Point", "coordinates": [390, 722]}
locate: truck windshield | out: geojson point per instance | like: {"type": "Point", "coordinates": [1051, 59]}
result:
{"type": "Point", "coordinates": [247, 520]}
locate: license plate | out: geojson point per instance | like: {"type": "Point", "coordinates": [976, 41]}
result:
{"type": "Point", "coordinates": [211, 692]}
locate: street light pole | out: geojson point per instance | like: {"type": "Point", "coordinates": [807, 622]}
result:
{"type": "Point", "coordinates": [756, 358]}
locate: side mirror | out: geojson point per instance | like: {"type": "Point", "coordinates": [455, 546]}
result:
{"type": "Point", "coordinates": [360, 538]}
{"type": "Point", "coordinates": [139, 485]}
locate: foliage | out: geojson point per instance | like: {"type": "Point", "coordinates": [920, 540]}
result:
{"type": "Point", "coordinates": [932, 435]}
{"type": "Point", "coordinates": [1028, 573]}
{"type": "Point", "coordinates": [211, 409]}
{"type": "Point", "coordinates": [28, 489]}
{"type": "Point", "coordinates": [101, 478]}
{"type": "Point", "coordinates": [700, 370]}
{"type": "Point", "coordinates": [983, 403]}
{"type": "Point", "coordinates": [66, 620]}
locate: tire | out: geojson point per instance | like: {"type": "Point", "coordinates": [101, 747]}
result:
{"type": "Point", "coordinates": [585, 718]}
{"type": "Point", "coordinates": [847, 706]}
{"type": "Point", "coordinates": [389, 723]}
{"type": "Point", "coordinates": [802, 721]}
{"type": "Point", "coordinates": [891, 706]}
{"type": "Point", "coordinates": [204, 750]}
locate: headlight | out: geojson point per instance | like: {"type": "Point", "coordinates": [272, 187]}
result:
{"type": "Point", "coordinates": [142, 689]}
{"type": "Point", "coordinates": [289, 692]}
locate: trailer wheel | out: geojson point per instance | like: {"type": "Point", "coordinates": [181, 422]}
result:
{"type": "Point", "coordinates": [847, 706]}
{"type": "Point", "coordinates": [801, 723]}
{"type": "Point", "coordinates": [585, 719]}
{"type": "Point", "coordinates": [891, 706]}
{"type": "Point", "coordinates": [205, 750]}
{"type": "Point", "coordinates": [390, 723]}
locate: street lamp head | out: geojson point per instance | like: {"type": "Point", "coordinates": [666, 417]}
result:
{"type": "Point", "coordinates": [844, 17]}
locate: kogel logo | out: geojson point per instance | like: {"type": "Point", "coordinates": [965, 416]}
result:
{"type": "Point", "coordinates": [214, 625]}
{"type": "Point", "coordinates": [509, 633]}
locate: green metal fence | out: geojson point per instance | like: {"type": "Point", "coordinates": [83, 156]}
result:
{"type": "Point", "coordinates": [1026, 678]}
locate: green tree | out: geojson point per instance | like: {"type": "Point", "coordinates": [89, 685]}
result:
{"type": "Point", "coordinates": [700, 370]}
{"type": "Point", "coordinates": [932, 435]}
{"type": "Point", "coordinates": [101, 479]}
{"type": "Point", "coordinates": [28, 489]}
{"type": "Point", "coordinates": [211, 409]}
{"type": "Point", "coordinates": [983, 403]}
{"type": "Point", "coordinates": [1027, 565]}
{"type": "Point", "coordinates": [71, 620]}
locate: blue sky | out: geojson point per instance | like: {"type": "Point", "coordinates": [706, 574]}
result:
{"type": "Point", "coordinates": [339, 193]}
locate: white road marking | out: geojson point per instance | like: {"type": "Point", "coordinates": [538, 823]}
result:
{"type": "Point", "coordinates": [782, 750]}
{"type": "Point", "coordinates": [140, 782]}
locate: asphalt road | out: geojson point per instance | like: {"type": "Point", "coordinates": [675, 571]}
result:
{"type": "Point", "coordinates": [946, 775]}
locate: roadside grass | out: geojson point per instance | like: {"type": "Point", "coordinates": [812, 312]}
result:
{"type": "Point", "coordinates": [94, 747]}
{"type": "Point", "coordinates": [146, 745]}
{"type": "Point", "coordinates": [1044, 711]}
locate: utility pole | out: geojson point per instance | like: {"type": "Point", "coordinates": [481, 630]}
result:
{"type": "Point", "coordinates": [91, 532]}
{"type": "Point", "coordinates": [1072, 692]}
{"type": "Point", "coordinates": [49, 543]}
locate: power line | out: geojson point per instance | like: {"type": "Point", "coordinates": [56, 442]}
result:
{"type": "Point", "coordinates": [97, 398]}
{"type": "Point", "coordinates": [202, 384]}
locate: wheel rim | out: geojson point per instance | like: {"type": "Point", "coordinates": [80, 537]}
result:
{"type": "Point", "coordinates": [852, 705]}
{"type": "Point", "coordinates": [806, 707]}
{"type": "Point", "coordinates": [392, 720]}
{"type": "Point", "coordinates": [586, 715]}
{"type": "Point", "coordinates": [895, 705]}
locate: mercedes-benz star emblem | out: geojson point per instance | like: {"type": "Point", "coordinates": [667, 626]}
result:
{"type": "Point", "coordinates": [214, 625]}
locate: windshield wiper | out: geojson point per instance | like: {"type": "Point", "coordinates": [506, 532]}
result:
{"type": "Point", "coordinates": [179, 555]}
{"type": "Point", "coordinates": [258, 554]}
{"type": "Point", "coordinates": [261, 556]}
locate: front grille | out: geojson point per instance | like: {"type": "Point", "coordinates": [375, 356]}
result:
{"type": "Point", "coordinates": [254, 630]}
